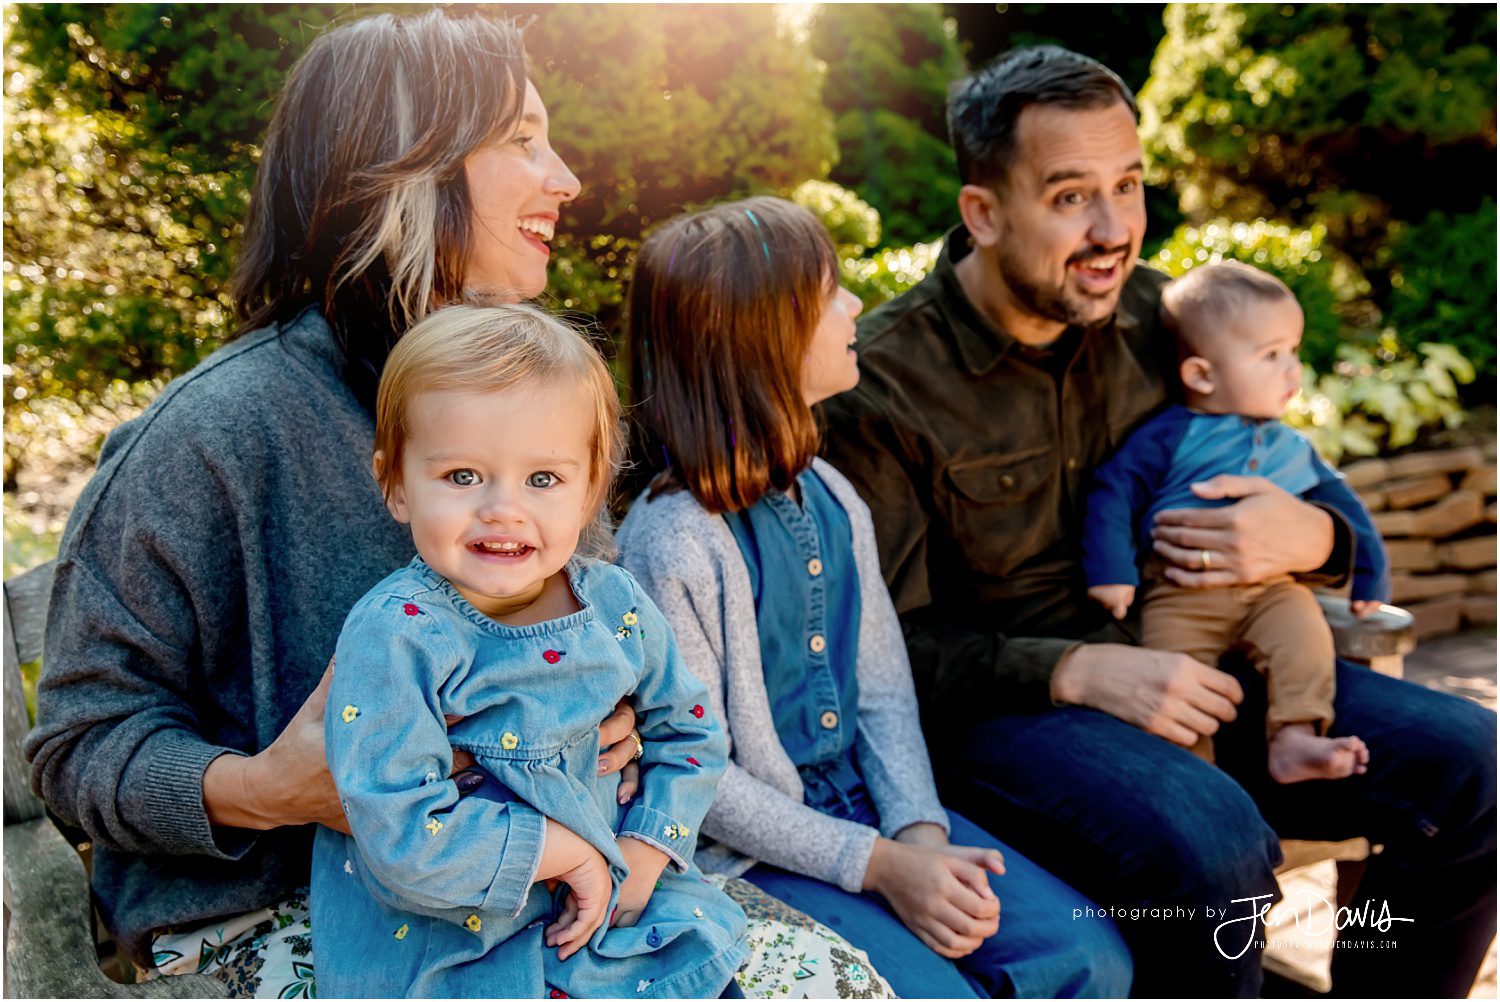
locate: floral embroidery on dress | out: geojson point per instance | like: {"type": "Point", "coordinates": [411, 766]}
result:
{"type": "Point", "coordinates": [553, 657]}
{"type": "Point", "coordinates": [509, 741]}
{"type": "Point", "coordinates": [653, 938]}
{"type": "Point", "coordinates": [698, 712]}
{"type": "Point", "coordinates": [643, 984]}
{"type": "Point", "coordinates": [693, 761]}
{"type": "Point", "coordinates": [473, 923]}
{"type": "Point", "coordinates": [433, 826]}
{"type": "Point", "coordinates": [401, 932]}
{"type": "Point", "coordinates": [350, 712]}
{"type": "Point", "coordinates": [631, 623]}
{"type": "Point", "coordinates": [411, 609]}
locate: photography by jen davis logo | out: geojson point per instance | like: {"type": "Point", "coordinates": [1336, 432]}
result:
{"type": "Point", "coordinates": [1258, 907]}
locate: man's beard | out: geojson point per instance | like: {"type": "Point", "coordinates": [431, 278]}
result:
{"type": "Point", "coordinates": [1054, 302]}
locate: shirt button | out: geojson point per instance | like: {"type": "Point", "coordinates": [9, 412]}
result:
{"type": "Point", "coordinates": [1259, 440]}
{"type": "Point", "coordinates": [1072, 463]}
{"type": "Point", "coordinates": [1007, 481]}
{"type": "Point", "coordinates": [829, 720]}
{"type": "Point", "coordinates": [817, 643]}
{"type": "Point", "coordinates": [1254, 464]}
{"type": "Point", "coordinates": [815, 567]}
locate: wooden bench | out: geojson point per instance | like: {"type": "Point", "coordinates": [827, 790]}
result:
{"type": "Point", "coordinates": [50, 947]}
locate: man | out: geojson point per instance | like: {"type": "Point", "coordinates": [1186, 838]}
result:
{"type": "Point", "coordinates": [990, 391]}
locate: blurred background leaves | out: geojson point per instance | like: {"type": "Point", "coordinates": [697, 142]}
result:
{"type": "Point", "coordinates": [1350, 149]}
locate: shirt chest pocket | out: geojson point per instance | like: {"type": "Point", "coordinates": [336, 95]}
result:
{"type": "Point", "coordinates": [1001, 508]}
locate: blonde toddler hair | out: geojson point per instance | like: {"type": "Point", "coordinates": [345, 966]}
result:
{"type": "Point", "coordinates": [489, 348]}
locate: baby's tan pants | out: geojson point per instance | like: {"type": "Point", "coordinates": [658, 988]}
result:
{"type": "Point", "coordinates": [1278, 623]}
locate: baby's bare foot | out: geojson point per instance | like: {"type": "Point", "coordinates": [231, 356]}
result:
{"type": "Point", "coordinates": [1297, 754]}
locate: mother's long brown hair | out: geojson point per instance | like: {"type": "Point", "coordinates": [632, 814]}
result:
{"type": "Point", "coordinates": [361, 204]}
{"type": "Point", "coordinates": [723, 304]}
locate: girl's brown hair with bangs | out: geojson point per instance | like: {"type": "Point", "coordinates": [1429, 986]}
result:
{"type": "Point", "coordinates": [723, 304]}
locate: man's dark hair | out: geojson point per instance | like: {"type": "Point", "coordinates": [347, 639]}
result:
{"type": "Point", "coordinates": [983, 109]}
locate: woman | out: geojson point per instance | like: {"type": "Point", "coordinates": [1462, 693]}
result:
{"type": "Point", "coordinates": [208, 567]}
{"type": "Point", "coordinates": [763, 560]}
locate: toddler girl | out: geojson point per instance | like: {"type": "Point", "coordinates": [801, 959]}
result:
{"type": "Point", "coordinates": [764, 561]}
{"type": "Point", "coordinates": [497, 435]}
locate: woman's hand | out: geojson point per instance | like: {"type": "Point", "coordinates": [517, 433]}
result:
{"type": "Point", "coordinates": [941, 893]}
{"type": "Point", "coordinates": [618, 748]}
{"type": "Point", "coordinates": [288, 783]}
{"type": "Point", "coordinates": [567, 858]}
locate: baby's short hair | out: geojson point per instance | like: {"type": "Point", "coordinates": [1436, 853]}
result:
{"type": "Point", "coordinates": [1206, 301]}
{"type": "Point", "coordinates": [490, 348]}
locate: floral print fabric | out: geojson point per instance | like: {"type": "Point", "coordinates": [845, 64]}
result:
{"type": "Point", "coordinates": [268, 953]}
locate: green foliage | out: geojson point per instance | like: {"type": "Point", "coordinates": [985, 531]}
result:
{"type": "Point", "coordinates": [1121, 36]}
{"type": "Point", "coordinates": [852, 223]}
{"type": "Point", "coordinates": [1272, 103]}
{"type": "Point", "coordinates": [889, 272]}
{"type": "Point", "coordinates": [1329, 287]}
{"type": "Point", "coordinates": [888, 70]}
{"type": "Point", "coordinates": [127, 164]}
{"type": "Point", "coordinates": [25, 546]}
{"type": "Point", "coordinates": [131, 148]}
{"type": "Point", "coordinates": [1443, 283]}
{"type": "Point", "coordinates": [1377, 400]}
{"type": "Point", "coordinates": [1373, 125]}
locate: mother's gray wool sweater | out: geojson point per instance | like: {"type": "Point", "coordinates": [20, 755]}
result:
{"type": "Point", "coordinates": [201, 585]}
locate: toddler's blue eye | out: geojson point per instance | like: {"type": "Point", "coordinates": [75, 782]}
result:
{"type": "Point", "coordinates": [541, 479]}
{"type": "Point", "coordinates": [463, 478]}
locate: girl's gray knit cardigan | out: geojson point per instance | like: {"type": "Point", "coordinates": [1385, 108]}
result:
{"type": "Point", "coordinates": [689, 563]}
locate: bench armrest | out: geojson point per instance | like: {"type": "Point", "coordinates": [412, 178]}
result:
{"type": "Point", "coordinates": [1389, 632]}
{"type": "Point", "coordinates": [49, 933]}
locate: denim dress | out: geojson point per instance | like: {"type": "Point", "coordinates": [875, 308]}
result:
{"type": "Point", "coordinates": [433, 894]}
{"type": "Point", "coordinates": [809, 628]}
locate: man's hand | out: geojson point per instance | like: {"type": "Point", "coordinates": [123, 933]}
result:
{"type": "Point", "coordinates": [1169, 695]}
{"type": "Point", "coordinates": [1363, 608]}
{"type": "Point", "coordinates": [570, 859]}
{"type": "Point", "coordinates": [942, 894]}
{"type": "Point", "coordinates": [1115, 597]}
{"type": "Point", "coordinates": [1267, 533]}
{"type": "Point", "coordinates": [645, 863]}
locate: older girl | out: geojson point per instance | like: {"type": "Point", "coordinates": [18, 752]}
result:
{"type": "Point", "coordinates": [763, 559]}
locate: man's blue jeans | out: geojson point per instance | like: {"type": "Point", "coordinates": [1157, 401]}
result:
{"type": "Point", "coordinates": [1038, 952]}
{"type": "Point", "coordinates": [1135, 822]}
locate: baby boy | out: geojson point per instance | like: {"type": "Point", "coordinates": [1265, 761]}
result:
{"type": "Point", "coordinates": [1238, 330]}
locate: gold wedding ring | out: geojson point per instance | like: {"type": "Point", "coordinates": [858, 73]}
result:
{"type": "Point", "coordinates": [1205, 559]}
{"type": "Point", "coordinates": [640, 746]}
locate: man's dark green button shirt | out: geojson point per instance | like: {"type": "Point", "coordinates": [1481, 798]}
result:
{"type": "Point", "coordinates": [975, 454]}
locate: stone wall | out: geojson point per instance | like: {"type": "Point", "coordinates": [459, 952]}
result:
{"type": "Point", "coordinates": [1436, 511]}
